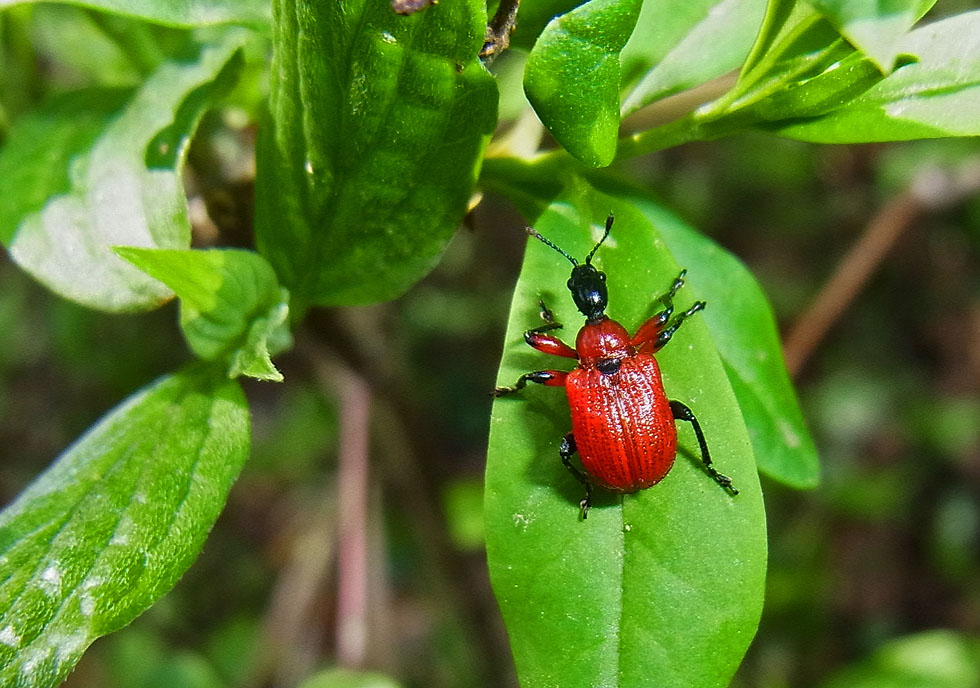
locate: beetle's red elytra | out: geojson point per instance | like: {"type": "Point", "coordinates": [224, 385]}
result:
{"type": "Point", "coordinates": [623, 424]}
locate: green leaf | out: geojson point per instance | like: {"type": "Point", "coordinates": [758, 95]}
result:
{"type": "Point", "coordinates": [346, 678]}
{"type": "Point", "coordinates": [937, 96]}
{"type": "Point", "coordinates": [744, 331]}
{"type": "Point", "coordinates": [937, 659]}
{"type": "Point", "coordinates": [112, 525]}
{"type": "Point", "coordinates": [798, 69]}
{"type": "Point", "coordinates": [678, 45]}
{"type": "Point", "coordinates": [825, 92]}
{"type": "Point", "coordinates": [738, 317]}
{"type": "Point", "coordinates": [175, 12]}
{"type": "Point", "coordinates": [664, 583]}
{"type": "Point", "coordinates": [377, 128]}
{"type": "Point", "coordinates": [231, 304]}
{"type": "Point", "coordinates": [795, 44]}
{"type": "Point", "coordinates": [572, 77]}
{"type": "Point", "coordinates": [84, 175]}
{"type": "Point", "coordinates": [875, 27]}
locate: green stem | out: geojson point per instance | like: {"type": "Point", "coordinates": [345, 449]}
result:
{"type": "Point", "coordinates": [674, 133]}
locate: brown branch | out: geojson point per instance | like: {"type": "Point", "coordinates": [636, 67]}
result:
{"type": "Point", "coordinates": [499, 30]}
{"type": "Point", "coordinates": [413, 482]}
{"type": "Point", "coordinates": [931, 189]}
{"type": "Point", "coordinates": [352, 519]}
{"type": "Point", "coordinates": [849, 279]}
{"type": "Point", "coordinates": [290, 647]}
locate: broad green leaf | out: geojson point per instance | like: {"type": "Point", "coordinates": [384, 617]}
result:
{"type": "Point", "coordinates": [738, 317]}
{"type": "Point", "coordinates": [231, 304]}
{"type": "Point", "coordinates": [678, 45]}
{"type": "Point", "coordinates": [377, 127]}
{"type": "Point", "coordinates": [937, 96]}
{"type": "Point", "coordinates": [175, 12]}
{"type": "Point", "coordinates": [664, 583]}
{"type": "Point", "coordinates": [875, 27]}
{"type": "Point", "coordinates": [112, 525]}
{"type": "Point", "coordinates": [744, 331]}
{"type": "Point", "coordinates": [572, 77]}
{"type": "Point", "coordinates": [346, 678]}
{"type": "Point", "coordinates": [83, 175]}
{"type": "Point", "coordinates": [937, 659]}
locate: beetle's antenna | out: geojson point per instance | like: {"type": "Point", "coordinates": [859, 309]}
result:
{"type": "Point", "coordinates": [609, 223]}
{"type": "Point", "coordinates": [533, 232]}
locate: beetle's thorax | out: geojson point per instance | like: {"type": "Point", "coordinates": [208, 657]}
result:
{"type": "Point", "coordinates": [602, 340]}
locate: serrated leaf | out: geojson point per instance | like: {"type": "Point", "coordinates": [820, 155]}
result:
{"type": "Point", "coordinates": [937, 96]}
{"type": "Point", "coordinates": [376, 131]}
{"type": "Point", "coordinates": [875, 27]}
{"type": "Point", "coordinates": [231, 304]}
{"type": "Point", "coordinates": [664, 583]}
{"type": "Point", "coordinates": [176, 12]}
{"type": "Point", "coordinates": [572, 77]}
{"type": "Point", "coordinates": [114, 179]}
{"type": "Point", "coordinates": [678, 45]}
{"type": "Point", "coordinates": [115, 521]}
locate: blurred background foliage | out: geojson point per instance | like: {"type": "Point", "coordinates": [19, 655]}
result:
{"type": "Point", "coordinates": [887, 546]}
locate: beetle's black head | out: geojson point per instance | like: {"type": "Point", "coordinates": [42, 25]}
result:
{"type": "Point", "coordinates": [588, 287]}
{"type": "Point", "coordinates": [587, 284]}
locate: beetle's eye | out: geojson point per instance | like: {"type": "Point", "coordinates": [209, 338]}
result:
{"type": "Point", "coordinates": [602, 276]}
{"type": "Point", "coordinates": [570, 283]}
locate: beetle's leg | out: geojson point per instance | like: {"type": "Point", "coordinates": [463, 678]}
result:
{"type": "Point", "coordinates": [547, 315]}
{"type": "Point", "coordinates": [682, 412]}
{"type": "Point", "coordinates": [551, 378]}
{"type": "Point", "coordinates": [566, 450]}
{"type": "Point", "coordinates": [651, 332]}
{"type": "Point", "coordinates": [547, 343]}
{"type": "Point", "coordinates": [665, 335]}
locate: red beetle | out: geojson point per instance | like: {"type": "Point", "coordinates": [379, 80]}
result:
{"type": "Point", "coordinates": [622, 422]}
